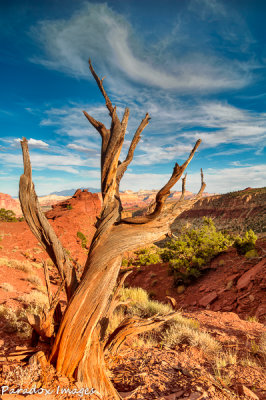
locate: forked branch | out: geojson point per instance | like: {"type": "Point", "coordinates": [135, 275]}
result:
{"type": "Point", "coordinates": [164, 192]}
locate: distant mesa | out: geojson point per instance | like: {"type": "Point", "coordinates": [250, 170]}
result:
{"type": "Point", "coordinates": [71, 192]}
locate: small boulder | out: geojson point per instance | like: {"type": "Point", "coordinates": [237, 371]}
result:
{"type": "Point", "coordinates": [244, 281]}
{"type": "Point", "coordinates": [180, 289]}
{"type": "Point", "coordinates": [208, 299]}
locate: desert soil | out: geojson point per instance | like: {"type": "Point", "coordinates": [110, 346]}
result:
{"type": "Point", "coordinates": [231, 290]}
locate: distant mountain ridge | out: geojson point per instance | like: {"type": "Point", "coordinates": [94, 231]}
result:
{"type": "Point", "coordinates": [70, 192]}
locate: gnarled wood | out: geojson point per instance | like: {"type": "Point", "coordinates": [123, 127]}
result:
{"type": "Point", "coordinates": [40, 226]}
{"type": "Point", "coordinates": [164, 192]}
{"type": "Point", "coordinates": [80, 342]}
{"type": "Point", "coordinates": [133, 326]}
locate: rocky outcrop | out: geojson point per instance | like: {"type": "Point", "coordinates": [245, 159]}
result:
{"type": "Point", "coordinates": [46, 202]}
{"type": "Point", "coordinates": [76, 214]}
{"type": "Point", "coordinates": [9, 203]}
{"type": "Point", "coordinates": [250, 275]}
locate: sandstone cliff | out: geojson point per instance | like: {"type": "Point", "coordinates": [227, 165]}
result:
{"type": "Point", "coordinates": [236, 211]}
{"type": "Point", "coordinates": [9, 203]}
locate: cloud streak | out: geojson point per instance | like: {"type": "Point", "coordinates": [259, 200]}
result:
{"type": "Point", "coordinates": [34, 143]}
{"type": "Point", "coordinates": [173, 129]}
{"type": "Point", "coordinates": [218, 180]}
{"type": "Point", "coordinates": [106, 37]}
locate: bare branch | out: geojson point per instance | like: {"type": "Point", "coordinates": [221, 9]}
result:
{"type": "Point", "coordinates": [96, 124]}
{"type": "Point", "coordinates": [137, 138]}
{"type": "Point", "coordinates": [123, 166]}
{"type": "Point", "coordinates": [124, 121]}
{"type": "Point", "coordinates": [48, 283]}
{"type": "Point", "coordinates": [182, 205]}
{"type": "Point", "coordinates": [164, 192]}
{"type": "Point", "coordinates": [133, 326]}
{"type": "Point", "coordinates": [100, 85]}
{"type": "Point", "coordinates": [203, 184]}
{"type": "Point", "coordinates": [40, 226]}
{"type": "Point", "coordinates": [172, 301]}
{"type": "Point", "coordinates": [183, 188]}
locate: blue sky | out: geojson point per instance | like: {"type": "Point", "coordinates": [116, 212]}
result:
{"type": "Point", "coordinates": [197, 67]}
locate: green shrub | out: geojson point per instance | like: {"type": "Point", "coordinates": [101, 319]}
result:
{"type": "Point", "coordinates": [7, 215]}
{"type": "Point", "coordinates": [83, 239]}
{"type": "Point", "coordinates": [193, 249]}
{"type": "Point", "coordinates": [127, 262]}
{"type": "Point", "coordinates": [69, 207]}
{"type": "Point", "coordinates": [247, 243]}
{"type": "Point", "coordinates": [149, 258]}
{"type": "Point", "coordinates": [124, 262]}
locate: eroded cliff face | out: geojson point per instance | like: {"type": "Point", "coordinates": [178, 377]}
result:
{"type": "Point", "coordinates": [76, 214]}
{"type": "Point", "coordinates": [9, 203]}
{"type": "Point", "coordinates": [46, 202]}
{"type": "Point", "coordinates": [236, 211]}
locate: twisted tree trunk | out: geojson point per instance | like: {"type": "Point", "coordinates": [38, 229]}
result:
{"type": "Point", "coordinates": [81, 341]}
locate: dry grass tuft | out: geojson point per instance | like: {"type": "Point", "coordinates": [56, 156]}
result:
{"type": "Point", "coordinates": [262, 344]}
{"type": "Point", "coordinates": [37, 250]}
{"type": "Point", "coordinates": [34, 279]}
{"type": "Point", "coordinates": [249, 362]}
{"type": "Point", "coordinates": [137, 295]}
{"type": "Point", "coordinates": [174, 332]}
{"type": "Point", "coordinates": [7, 287]}
{"type": "Point", "coordinates": [252, 318]}
{"type": "Point", "coordinates": [35, 298]}
{"type": "Point", "coordinates": [141, 305]}
{"type": "Point", "coordinates": [20, 265]}
{"type": "Point", "coordinates": [226, 359]}
{"type": "Point", "coordinates": [25, 266]}
{"type": "Point", "coordinates": [182, 331]}
{"type": "Point", "coordinates": [15, 321]}
{"type": "Point", "coordinates": [221, 368]}
{"type": "Point", "coordinates": [224, 376]}
{"type": "Point", "coordinates": [116, 319]}
{"type": "Point", "coordinates": [145, 340]}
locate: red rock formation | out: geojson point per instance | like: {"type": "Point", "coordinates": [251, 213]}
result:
{"type": "Point", "coordinates": [9, 203]}
{"type": "Point", "coordinates": [76, 214]}
{"type": "Point", "coordinates": [244, 209]}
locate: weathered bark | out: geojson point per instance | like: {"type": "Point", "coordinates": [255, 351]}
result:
{"type": "Point", "coordinates": [40, 226]}
{"type": "Point", "coordinates": [81, 340]}
{"type": "Point", "coordinates": [133, 326]}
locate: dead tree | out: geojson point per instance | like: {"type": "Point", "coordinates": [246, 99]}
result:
{"type": "Point", "coordinates": [81, 342]}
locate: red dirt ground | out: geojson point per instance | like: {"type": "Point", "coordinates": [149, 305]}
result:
{"type": "Point", "coordinates": [141, 372]}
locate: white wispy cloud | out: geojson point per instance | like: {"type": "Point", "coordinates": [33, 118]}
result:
{"type": "Point", "coordinates": [106, 37]}
{"type": "Point", "coordinates": [218, 180]}
{"type": "Point", "coordinates": [171, 132]}
{"type": "Point", "coordinates": [34, 143]}
{"type": "Point", "coordinates": [77, 147]}
{"type": "Point", "coordinates": [66, 162]}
